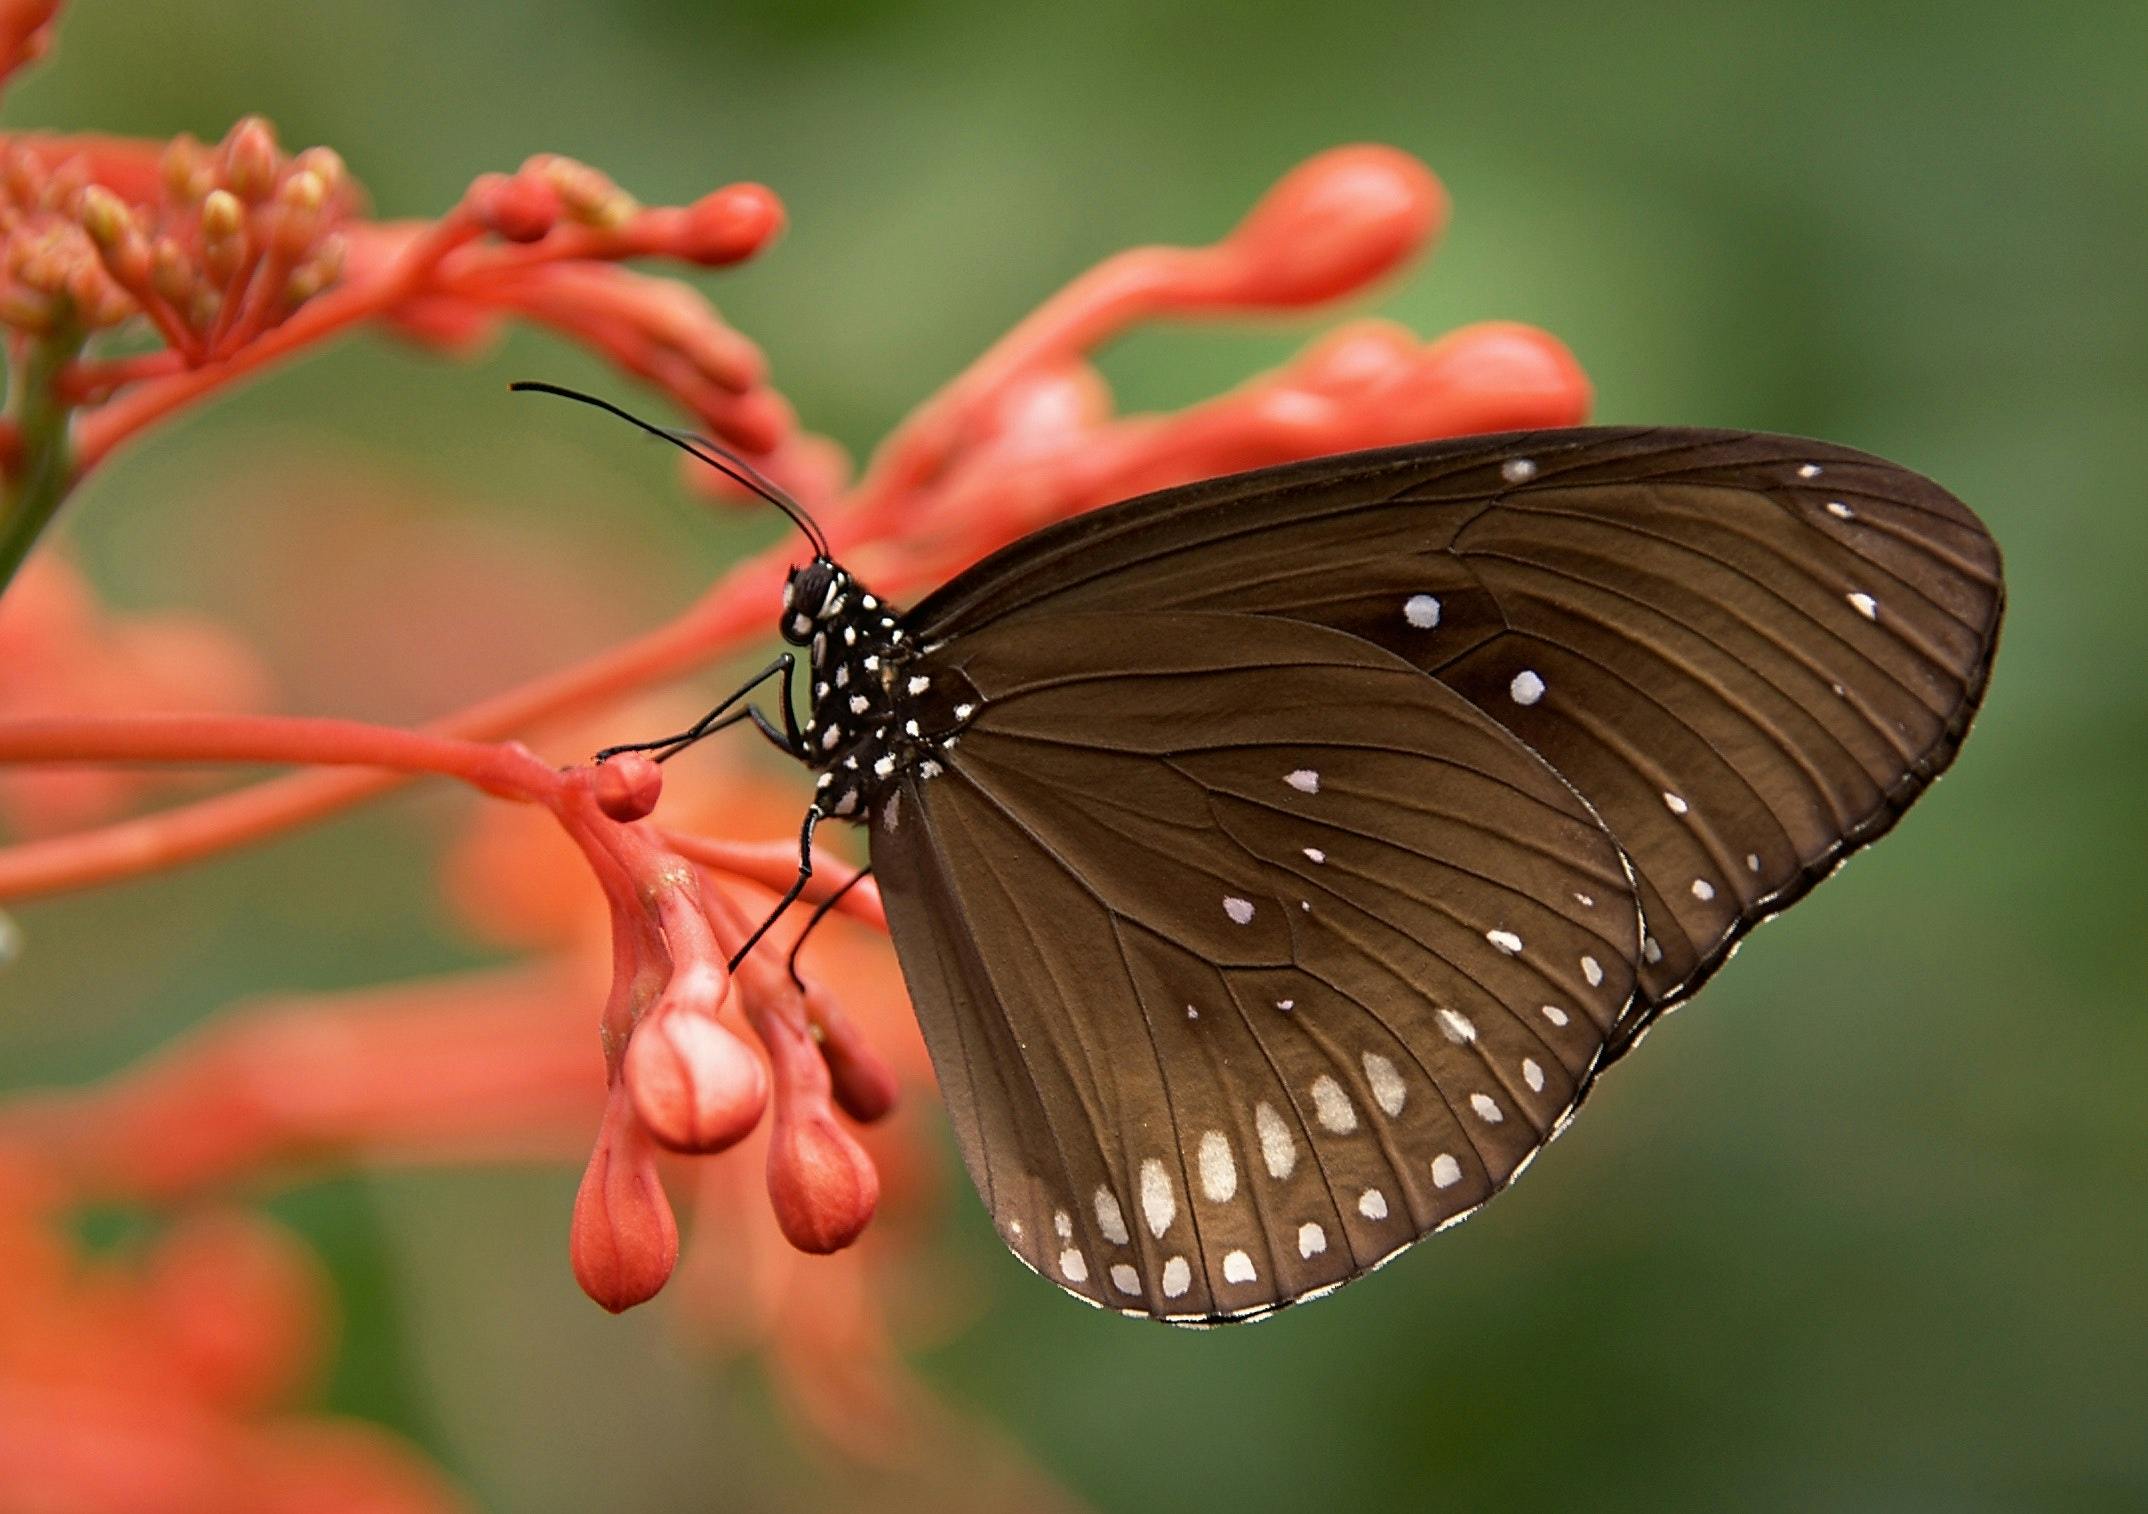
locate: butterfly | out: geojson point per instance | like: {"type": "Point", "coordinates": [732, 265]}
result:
{"type": "Point", "coordinates": [1275, 862]}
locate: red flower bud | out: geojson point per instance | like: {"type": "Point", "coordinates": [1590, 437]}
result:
{"type": "Point", "coordinates": [250, 158]}
{"type": "Point", "coordinates": [863, 1083]}
{"type": "Point", "coordinates": [624, 1240]}
{"type": "Point", "coordinates": [821, 1183]}
{"type": "Point", "coordinates": [188, 169]}
{"type": "Point", "coordinates": [730, 224]}
{"type": "Point", "coordinates": [696, 1085]}
{"type": "Point", "coordinates": [1501, 375]}
{"type": "Point", "coordinates": [520, 207]}
{"type": "Point", "coordinates": [1334, 224]}
{"type": "Point", "coordinates": [628, 786]}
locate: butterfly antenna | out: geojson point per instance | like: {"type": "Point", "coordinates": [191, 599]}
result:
{"type": "Point", "coordinates": [719, 457]}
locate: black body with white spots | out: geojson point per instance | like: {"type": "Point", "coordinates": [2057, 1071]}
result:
{"type": "Point", "coordinates": [873, 720]}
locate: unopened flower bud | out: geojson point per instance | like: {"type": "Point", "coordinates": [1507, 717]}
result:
{"type": "Point", "coordinates": [326, 165]}
{"type": "Point", "coordinates": [521, 207]}
{"type": "Point", "coordinates": [171, 272]}
{"type": "Point", "coordinates": [821, 1184]}
{"type": "Point", "coordinates": [104, 215]}
{"type": "Point", "coordinates": [188, 169]}
{"type": "Point", "coordinates": [696, 1085]}
{"type": "Point", "coordinates": [250, 156]}
{"type": "Point", "coordinates": [296, 219]}
{"type": "Point", "coordinates": [1334, 224]}
{"type": "Point", "coordinates": [624, 1240]}
{"type": "Point", "coordinates": [863, 1083]}
{"type": "Point", "coordinates": [587, 195]}
{"type": "Point", "coordinates": [732, 223]}
{"type": "Point", "coordinates": [223, 234]}
{"type": "Point", "coordinates": [221, 214]}
{"type": "Point", "coordinates": [627, 786]}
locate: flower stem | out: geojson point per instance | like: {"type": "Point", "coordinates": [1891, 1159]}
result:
{"type": "Point", "coordinates": [34, 493]}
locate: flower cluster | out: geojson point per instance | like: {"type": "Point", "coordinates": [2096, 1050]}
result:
{"type": "Point", "coordinates": [234, 257]}
{"type": "Point", "coordinates": [238, 255]}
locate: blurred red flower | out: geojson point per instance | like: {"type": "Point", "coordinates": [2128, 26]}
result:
{"type": "Point", "coordinates": [153, 1383]}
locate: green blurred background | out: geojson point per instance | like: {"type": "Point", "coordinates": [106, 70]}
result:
{"type": "Point", "coordinates": [1863, 1229]}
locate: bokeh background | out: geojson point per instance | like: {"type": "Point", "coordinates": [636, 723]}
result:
{"type": "Point", "coordinates": [1864, 1228]}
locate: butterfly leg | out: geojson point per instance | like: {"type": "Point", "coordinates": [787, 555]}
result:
{"type": "Point", "coordinates": [790, 897]}
{"type": "Point", "coordinates": [820, 913]}
{"type": "Point", "coordinates": [723, 715]}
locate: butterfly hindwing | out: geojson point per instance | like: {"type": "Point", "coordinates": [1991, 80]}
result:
{"type": "Point", "coordinates": [1246, 953]}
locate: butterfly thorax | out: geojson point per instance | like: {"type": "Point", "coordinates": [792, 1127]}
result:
{"type": "Point", "coordinates": [875, 714]}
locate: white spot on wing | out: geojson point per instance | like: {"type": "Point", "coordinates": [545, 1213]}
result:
{"type": "Point", "coordinates": [1315, 854]}
{"type": "Point", "coordinates": [1840, 511]}
{"type": "Point", "coordinates": [1074, 1265]}
{"type": "Point", "coordinates": [1372, 1204]}
{"type": "Point", "coordinates": [1177, 1277]}
{"type": "Point", "coordinates": [1808, 470]}
{"type": "Point", "coordinates": [1505, 940]}
{"type": "Point", "coordinates": [919, 683]}
{"type": "Point", "coordinates": [1304, 780]}
{"type": "Point", "coordinates": [1674, 804]}
{"type": "Point", "coordinates": [1312, 1240]}
{"type": "Point", "coordinates": [1517, 470]}
{"type": "Point", "coordinates": [1487, 1108]}
{"type": "Point", "coordinates": [1240, 910]}
{"type": "Point", "coordinates": [1125, 1279]}
{"type": "Point", "coordinates": [1421, 611]}
{"type": "Point", "coordinates": [1063, 1223]}
{"type": "Point", "coordinates": [1554, 1014]}
{"type": "Point", "coordinates": [1159, 1205]}
{"type": "Point", "coordinates": [1238, 1268]}
{"type": "Point", "coordinates": [1278, 1152]}
{"type": "Point", "coordinates": [1332, 1107]}
{"type": "Point", "coordinates": [1109, 1218]}
{"type": "Point", "coordinates": [1446, 1171]}
{"type": "Point", "coordinates": [1592, 970]}
{"type": "Point", "coordinates": [1388, 1090]}
{"type": "Point", "coordinates": [1703, 890]}
{"type": "Point", "coordinates": [1219, 1173]}
{"type": "Point", "coordinates": [1456, 1027]}
{"type": "Point", "coordinates": [1527, 687]}
{"type": "Point", "coordinates": [1865, 605]}
{"type": "Point", "coordinates": [1532, 1074]}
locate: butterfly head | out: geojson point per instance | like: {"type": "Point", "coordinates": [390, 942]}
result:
{"type": "Point", "coordinates": [814, 597]}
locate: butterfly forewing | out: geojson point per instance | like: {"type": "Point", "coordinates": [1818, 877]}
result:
{"type": "Point", "coordinates": [1246, 953]}
{"type": "Point", "coordinates": [1747, 653]}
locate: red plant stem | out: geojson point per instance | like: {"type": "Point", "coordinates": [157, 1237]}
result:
{"type": "Point", "coordinates": [90, 378]}
{"type": "Point", "coordinates": [499, 769]}
{"type": "Point", "coordinates": [728, 613]}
